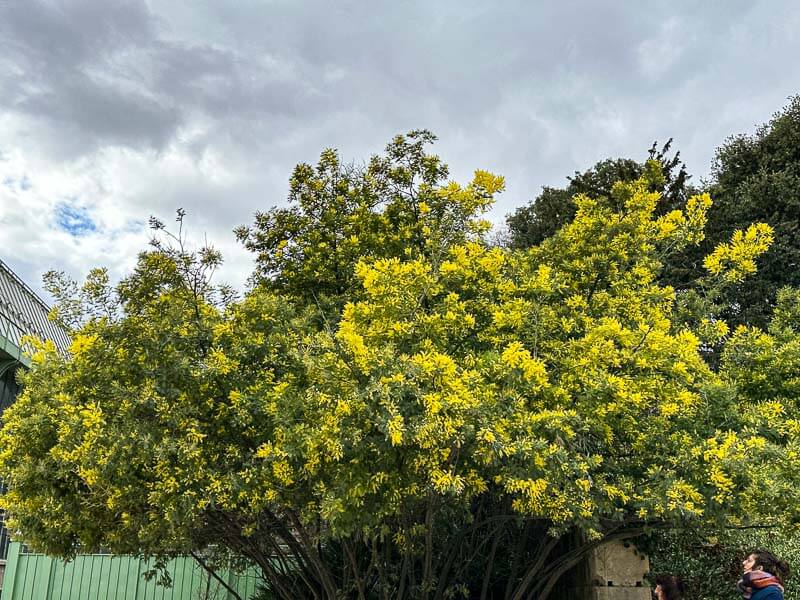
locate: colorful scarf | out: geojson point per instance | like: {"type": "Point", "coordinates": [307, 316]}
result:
{"type": "Point", "coordinates": [756, 580]}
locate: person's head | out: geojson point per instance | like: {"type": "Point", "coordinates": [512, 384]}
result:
{"type": "Point", "coordinates": [669, 587]}
{"type": "Point", "coordinates": [763, 560]}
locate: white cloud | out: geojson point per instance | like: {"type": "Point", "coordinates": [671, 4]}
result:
{"type": "Point", "coordinates": [659, 54]}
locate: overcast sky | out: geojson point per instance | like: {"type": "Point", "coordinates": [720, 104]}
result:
{"type": "Point", "coordinates": [114, 111]}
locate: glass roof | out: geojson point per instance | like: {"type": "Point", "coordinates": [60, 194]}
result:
{"type": "Point", "coordinates": [23, 313]}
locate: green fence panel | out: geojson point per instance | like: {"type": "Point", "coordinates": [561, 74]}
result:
{"type": "Point", "coordinates": [106, 577]}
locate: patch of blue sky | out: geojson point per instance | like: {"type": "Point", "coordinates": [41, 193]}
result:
{"type": "Point", "coordinates": [75, 220]}
{"type": "Point", "coordinates": [23, 184]}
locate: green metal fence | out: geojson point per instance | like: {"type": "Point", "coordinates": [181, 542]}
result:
{"type": "Point", "coordinates": [106, 577]}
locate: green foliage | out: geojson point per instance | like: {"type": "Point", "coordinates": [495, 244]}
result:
{"type": "Point", "coordinates": [470, 423]}
{"type": "Point", "coordinates": [766, 365]}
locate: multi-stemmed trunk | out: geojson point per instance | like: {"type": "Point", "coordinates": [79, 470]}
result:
{"type": "Point", "coordinates": [493, 555]}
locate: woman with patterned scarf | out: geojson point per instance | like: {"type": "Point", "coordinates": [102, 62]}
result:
{"type": "Point", "coordinates": [764, 574]}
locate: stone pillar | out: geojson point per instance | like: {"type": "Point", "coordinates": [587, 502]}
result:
{"type": "Point", "coordinates": [616, 571]}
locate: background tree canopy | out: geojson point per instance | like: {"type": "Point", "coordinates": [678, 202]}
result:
{"type": "Point", "coordinates": [757, 178]}
{"type": "Point", "coordinates": [554, 207]}
{"type": "Point", "coordinates": [396, 408]}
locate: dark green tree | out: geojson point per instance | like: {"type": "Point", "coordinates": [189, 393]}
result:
{"type": "Point", "coordinates": [757, 178]}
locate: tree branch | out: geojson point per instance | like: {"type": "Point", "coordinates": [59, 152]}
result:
{"type": "Point", "coordinates": [213, 574]}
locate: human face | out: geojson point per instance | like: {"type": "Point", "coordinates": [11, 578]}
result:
{"type": "Point", "coordinates": [660, 593]}
{"type": "Point", "coordinates": [748, 564]}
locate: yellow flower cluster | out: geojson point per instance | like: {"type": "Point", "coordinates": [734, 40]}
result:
{"type": "Point", "coordinates": [737, 259]}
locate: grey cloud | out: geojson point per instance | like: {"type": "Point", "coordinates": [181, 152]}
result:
{"type": "Point", "coordinates": [88, 112]}
{"type": "Point", "coordinates": [227, 85]}
{"type": "Point", "coordinates": [125, 74]}
{"type": "Point", "coordinates": [129, 74]}
{"type": "Point", "coordinates": [64, 74]}
{"type": "Point", "coordinates": [59, 34]}
{"type": "Point", "coordinates": [103, 73]}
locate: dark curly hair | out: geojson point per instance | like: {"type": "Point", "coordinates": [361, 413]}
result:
{"type": "Point", "coordinates": [672, 586]}
{"type": "Point", "coordinates": [771, 564]}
